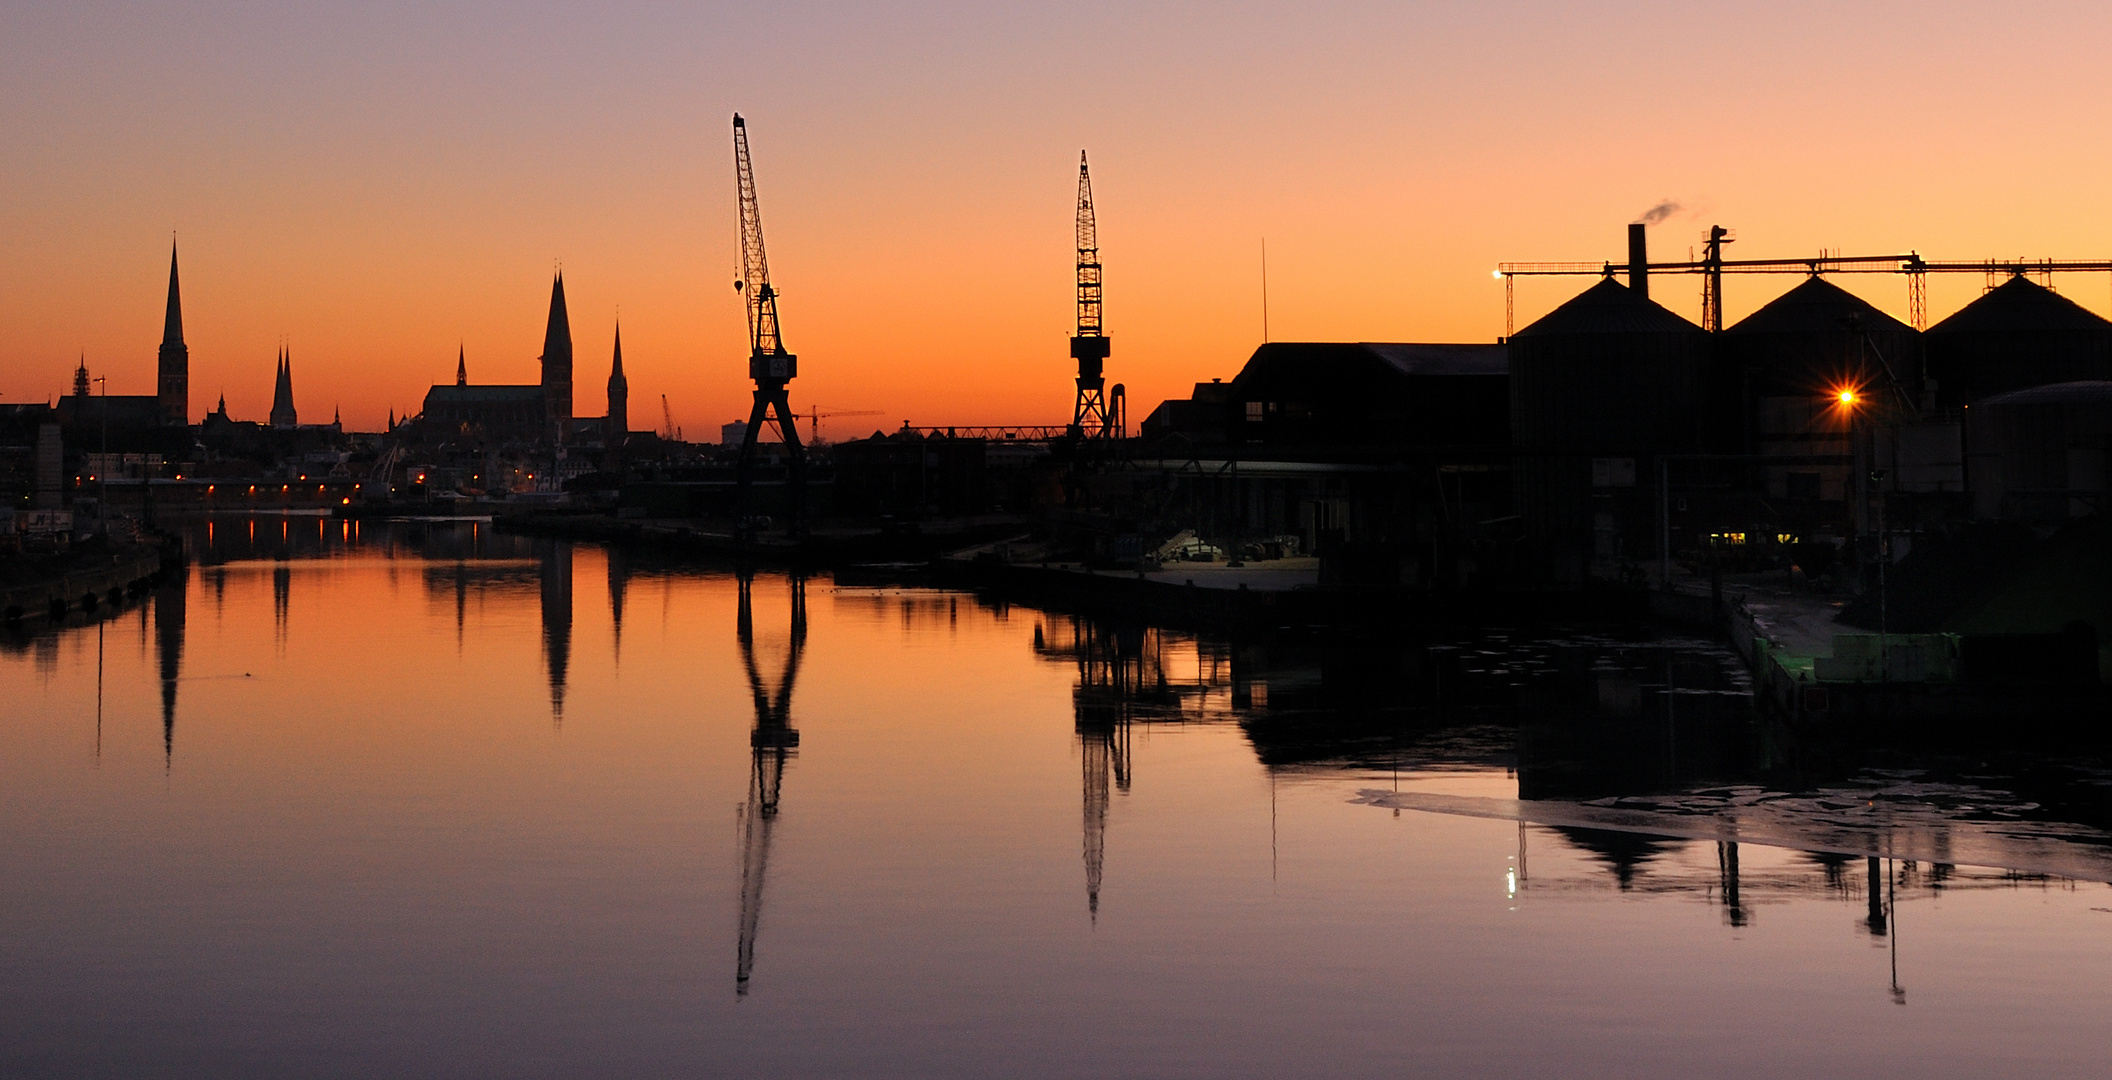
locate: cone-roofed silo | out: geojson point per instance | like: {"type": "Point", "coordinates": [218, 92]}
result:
{"type": "Point", "coordinates": [1782, 367]}
{"type": "Point", "coordinates": [1817, 338]}
{"type": "Point", "coordinates": [2021, 334]}
{"type": "Point", "coordinates": [1601, 387]}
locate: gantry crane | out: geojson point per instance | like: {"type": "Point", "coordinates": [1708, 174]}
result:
{"type": "Point", "coordinates": [769, 364]}
{"type": "Point", "coordinates": [771, 745]}
{"type": "Point", "coordinates": [1089, 419]}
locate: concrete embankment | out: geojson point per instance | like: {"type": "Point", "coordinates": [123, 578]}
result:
{"type": "Point", "coordinates": [1808, 669]}
{"type": "Point", "coordinates": [72, 586]}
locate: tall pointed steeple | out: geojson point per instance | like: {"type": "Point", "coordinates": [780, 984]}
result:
{"type": "Point", "coordinates": [173, 382]}
{"type": "Point", "coordinates": [557, 363]}
{"type": "Point", "coordinates": [283, 415]}
{"type": "Point", "coordinates": [80, 378]}
{"type": "Point", "coordinates": [461, 366]}
{"type": "Point", "coordinates": [617, 428]}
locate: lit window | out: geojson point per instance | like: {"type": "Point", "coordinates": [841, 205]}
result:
{"type": "Point", "coordinates": [1255, 411]}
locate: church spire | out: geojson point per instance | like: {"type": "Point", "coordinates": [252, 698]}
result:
{"type": "Point", "coordinates": [461, 366]}
{"type": "Point", "coordinates": [173, 370]}
{"type": "Point", "coordinates": [282, 411]}
{"type": "Point", "coordinates": [616, 429]}
{"type": "Point", "coordinates": [172, 323]}
{"type": "Point", "coordinates": [80, 377]}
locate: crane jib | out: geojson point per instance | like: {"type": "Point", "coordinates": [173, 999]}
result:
{"type": "Point", "coordinates": [758, 296]}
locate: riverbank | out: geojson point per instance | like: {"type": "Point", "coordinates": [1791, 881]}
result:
{"type": "Point", "coordinates": [91, 574]}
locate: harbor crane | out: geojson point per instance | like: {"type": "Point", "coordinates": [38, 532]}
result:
{"type": "Point", "coordinates": [769, 364]}
{"type": "Point", "coordinates": [1090, 419]}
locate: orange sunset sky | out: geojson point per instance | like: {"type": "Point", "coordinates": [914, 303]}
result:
{"type": "Point", "coordinates": [379, 182]}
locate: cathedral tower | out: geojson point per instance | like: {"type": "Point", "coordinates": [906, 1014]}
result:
{"type": "Point", "coordinates": [617, 427]}
{"type": "Point", "coordinates": [557, 364]}
{"type": "Point", "coordinates": [173, 386]}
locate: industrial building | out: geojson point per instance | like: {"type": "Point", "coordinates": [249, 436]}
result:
{"type": "Point", "coordinates": [1613, 439]}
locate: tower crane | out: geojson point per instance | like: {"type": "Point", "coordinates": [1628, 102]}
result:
{"type": "Point", "coordinates": [1089, 418]}
{"type": "Point", "coordinates": [667, 416]}
{"type": "Point", "coordinates": [815, 415]}
{"type": "Point", "coordinates": [769, 364]}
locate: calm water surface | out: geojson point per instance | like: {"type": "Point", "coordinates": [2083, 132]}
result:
{"type": "Point", "coordinates": [427, 801]}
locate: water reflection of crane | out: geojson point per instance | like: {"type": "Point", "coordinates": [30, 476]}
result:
{"type": "Point", "coordinates": [1117, 668]}
{"type": "Point", "coordinates": [1734, 910]}
{"type": "Point", "coordinates": [771, 746]}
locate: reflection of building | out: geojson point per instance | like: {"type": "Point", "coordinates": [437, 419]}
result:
{"type": "Point", "coordinates": [619, 567]}
{"type": "Point", "coordinates": [170, 603]}
{"type": "Point", "coordinates": [556, 582]}
{"type": "Point", "coordinates": [771, 743]}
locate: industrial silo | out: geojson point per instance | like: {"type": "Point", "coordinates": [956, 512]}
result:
{"type": "Point", "coordinates": [2021, 334]}
{"type": "Point", "coordinates": [1782, 369]}
{"type": "Point", "coordinates": [2040, 454]}
{"type": "Point", "coordinates": [1601, 389]}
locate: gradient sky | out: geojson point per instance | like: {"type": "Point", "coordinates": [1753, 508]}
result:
{"type": "Point", "coordinates": [378, 182]}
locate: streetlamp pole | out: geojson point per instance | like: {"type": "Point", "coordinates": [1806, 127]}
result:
{"type": "Point", "coordinates": [102, 472]}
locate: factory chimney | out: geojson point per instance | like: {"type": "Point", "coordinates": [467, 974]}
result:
{"type": "Point", "coordinates": [1638, 260]}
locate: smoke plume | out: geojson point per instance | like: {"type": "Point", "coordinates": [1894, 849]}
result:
{"type": "Point", "coordinates": [1664, 209]}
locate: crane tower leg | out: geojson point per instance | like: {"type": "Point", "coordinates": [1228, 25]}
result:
{"type": "Point", "coordinates": [773, 406]}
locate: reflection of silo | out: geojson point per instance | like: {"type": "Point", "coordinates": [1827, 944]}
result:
{"type": "Point", "coordinates": [1600, 388]}
{"type": "Point", "coordinates": [2041, 454]}
{"type": "Point", "coordinates": [2021, 334]}
{"type": "Point", "coordinates": [1783, 363]}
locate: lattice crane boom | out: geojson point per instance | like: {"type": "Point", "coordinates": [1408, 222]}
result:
{"type": "Point", "coordinates": [754, 285]}
{"type": "Point", "coordinates": [1090, 347]}
{"type": "Point", "coordinates": [1088, 256]}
